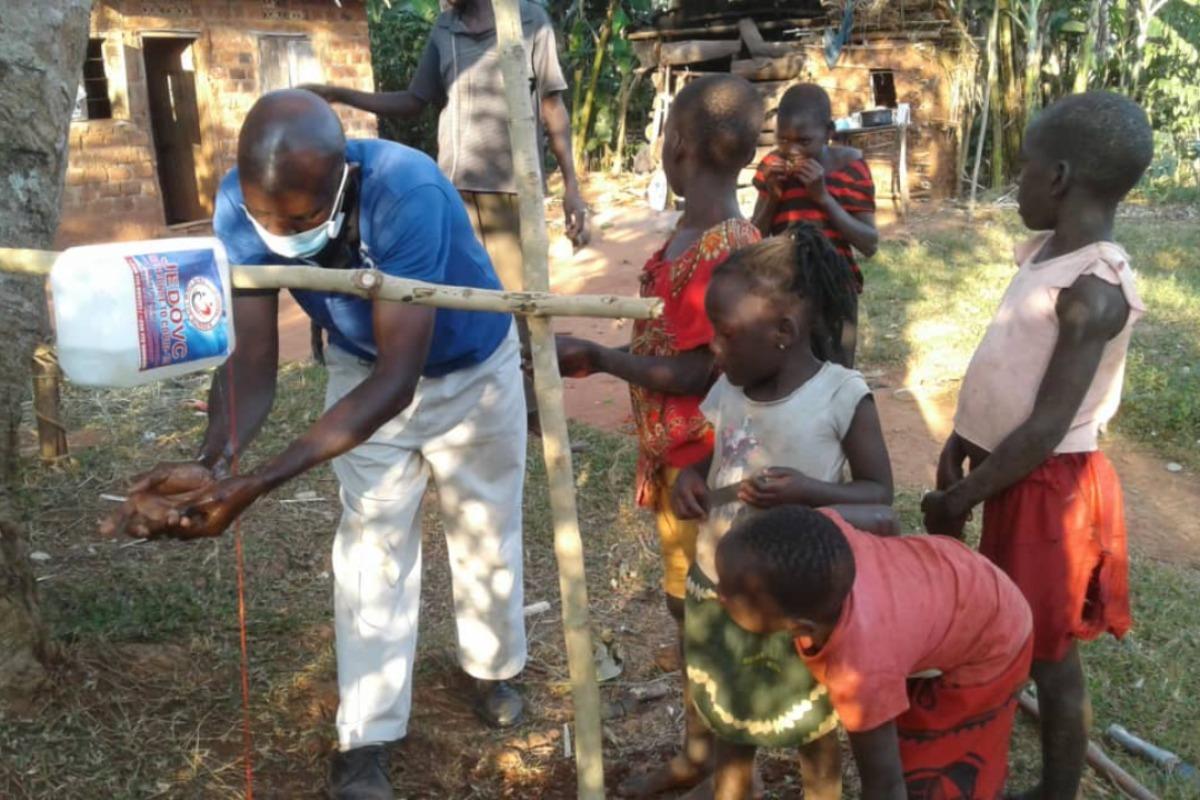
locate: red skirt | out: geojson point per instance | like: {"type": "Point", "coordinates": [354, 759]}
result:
{"type": "Point", "coordinates": [1060, 535]}
{"type": "Point", "coordinates": [954, 739]}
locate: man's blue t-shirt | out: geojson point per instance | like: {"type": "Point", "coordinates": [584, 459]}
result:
{"type": "Point", "coordinates": [412, 224]}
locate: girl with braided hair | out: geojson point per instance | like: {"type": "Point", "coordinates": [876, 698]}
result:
{"type": "Point", "coordinates": [788, 421]}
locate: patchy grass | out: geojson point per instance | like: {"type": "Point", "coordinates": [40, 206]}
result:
{"type": "Point", "coordinates": [145, 701]}
{"type": "Point", "coordinates": [1146, 682]}
{"type": "Point", "coordinates": [933, 293]}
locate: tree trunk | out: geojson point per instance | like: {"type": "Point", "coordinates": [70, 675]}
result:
{"type": "Point", "coordinates": [1009, 116]}
{"type": "Point", "coordinates": [582, 130]}
{"type": "Point", "coordinates": [1101, 57]}
{"type": "Point", "coordinates": [42, 44]}
{"type": "Point", "coordinates": [989, 92]}
{"type": "Point", "coordinates": [21, 627]}
{"type": "Point", "coordinates": [965, 124]}
{"type": "Point", "coordinates": [1124, 58]}
{"type": "Point", "coordinates": [1147, 10]}
{"type": "Point", "coordinates": [995, 90]}
{"type": "Point", "coordinates": [629, 84]}
{"type": "Point", "coordinates": [1033, 57]}
{"type": "Point", "coordinates": [1087, 50]}
{"type": "Point", "coordinates": [576, 106]}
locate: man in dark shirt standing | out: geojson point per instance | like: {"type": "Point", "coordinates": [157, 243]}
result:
{"type": "Point", "coordinates": [460, 74]}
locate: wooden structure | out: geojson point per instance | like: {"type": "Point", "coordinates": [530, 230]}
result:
{"type": "Point", "coordinates": [901, 52]}
{"type": "Point", "coordinates": [556, 443]}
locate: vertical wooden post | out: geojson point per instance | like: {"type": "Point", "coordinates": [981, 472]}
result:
{"type": "Point", "coordinates": [568, 545]}
{"type": "Point", "coordinates": [47, 393]}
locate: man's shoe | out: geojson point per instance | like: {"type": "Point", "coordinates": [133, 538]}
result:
{"type": "Point", "coordinates": [360, 774]}
{"type": "Point", "coordinates": [499, 704]}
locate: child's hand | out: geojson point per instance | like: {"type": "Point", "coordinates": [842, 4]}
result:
{"type": "Point", "coordinates": [774, 176]}
{"type": "Point", "coordinates": [689, 498]}
{"type": "Point", "coordinates": [577, 358]}
{"type": "Point", "coordinates": [950, 463]}
{"type": "Point", "coordinates": [812, 175]}
{"type": "Point", "coordinates": [941, 517]}
{"type": "Point", "coordinates": [775, 486]}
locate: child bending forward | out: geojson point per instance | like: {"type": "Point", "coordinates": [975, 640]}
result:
{"type": "Point", "coordinates": [920, 643]}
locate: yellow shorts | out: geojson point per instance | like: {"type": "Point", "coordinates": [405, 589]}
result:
{"type": "Point", "coordinates": [676, 537]}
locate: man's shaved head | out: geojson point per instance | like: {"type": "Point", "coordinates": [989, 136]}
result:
{"type": "Point", "coordinates": [291, 141]}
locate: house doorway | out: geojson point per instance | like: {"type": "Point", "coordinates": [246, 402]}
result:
{"type": "Point", "coordinates": [175, 122]}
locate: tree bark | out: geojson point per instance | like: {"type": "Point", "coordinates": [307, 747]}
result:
{"type": "Point", "coordinates": [42, 44]}
{"type": "Point", "coordinates": [997, 131]}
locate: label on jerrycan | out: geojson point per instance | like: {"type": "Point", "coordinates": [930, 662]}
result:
{"type": "Point", "coordinates": [181, 314]}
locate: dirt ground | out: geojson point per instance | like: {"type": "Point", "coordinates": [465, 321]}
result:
{"type": "Point", "coordinates": [916, 421]}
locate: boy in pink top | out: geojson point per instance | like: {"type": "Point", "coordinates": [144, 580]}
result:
{"type": "Point", "coordinates": [1044, 379]}
{"type": "Point", "coordinates": [920, 643]}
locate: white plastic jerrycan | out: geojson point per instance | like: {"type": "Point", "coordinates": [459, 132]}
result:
{"type": "Point", "coordinates": [133, 312]}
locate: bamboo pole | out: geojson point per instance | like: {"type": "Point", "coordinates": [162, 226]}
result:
{"type": "Point", "coordinates": [376, 285]}
{"type": "Point", "coordinates": [47, 394]}
{"type": "Point", "coordinates": [568, 544]}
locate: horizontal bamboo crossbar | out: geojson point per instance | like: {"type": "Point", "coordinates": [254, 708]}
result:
{"type": "Point", "coordinates": [374, 284]}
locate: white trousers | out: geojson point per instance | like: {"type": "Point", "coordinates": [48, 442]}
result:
{"type": "Point", "coordinates": [467, 430]}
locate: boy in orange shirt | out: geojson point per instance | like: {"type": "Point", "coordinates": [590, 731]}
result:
{"type": "Point", "coordinates": [1046, 376]}
{"type": "Point", "coordinates": [920, 643]}
{"type": "Point", "coordinates": [710, 136]}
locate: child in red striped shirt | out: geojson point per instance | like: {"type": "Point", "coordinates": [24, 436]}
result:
{"type": "Point", "coordinates": [806, 179]}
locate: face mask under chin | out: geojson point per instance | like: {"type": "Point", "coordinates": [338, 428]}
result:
{"type": "Point", "coordinates": [305, 244]}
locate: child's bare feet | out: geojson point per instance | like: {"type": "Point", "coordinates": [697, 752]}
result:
{"type": "Point", "coordinates": [678, 773]}
{"type": "Point", "coordinates": [668, 658]}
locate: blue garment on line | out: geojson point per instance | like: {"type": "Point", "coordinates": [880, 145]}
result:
{"type": "Point", "coordinates": [836, 40]}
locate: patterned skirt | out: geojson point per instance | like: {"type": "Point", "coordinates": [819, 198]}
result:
{"type": "Point", "coordinates": [749, 688]}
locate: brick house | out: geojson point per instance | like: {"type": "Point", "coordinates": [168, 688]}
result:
{"type": "Point", "coordinates": [166, 85]}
